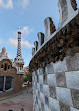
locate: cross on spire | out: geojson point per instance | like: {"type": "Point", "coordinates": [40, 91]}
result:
{"type": "Point", "coordinates": [19, 29]}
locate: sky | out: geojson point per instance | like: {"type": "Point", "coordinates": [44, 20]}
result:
{"type": "Point", "coordinates": [30, 16]}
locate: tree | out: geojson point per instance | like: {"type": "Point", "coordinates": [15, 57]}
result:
{"type": "Point", "coordinates": [28, 77]}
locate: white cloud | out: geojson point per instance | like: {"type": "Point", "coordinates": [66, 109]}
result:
{"type": "Point", "coordinates": [26, 30]}
{"type": "Point", "coordinates": [25, 3]}
{"type": "Point", "coordinates": [10, 56]}
{"type": "Point", "coordinates": [14, 42]}
{"type": "Point", "coordinates": [7, 5]}
{"type": "Point", "coordinates": [26, 44]}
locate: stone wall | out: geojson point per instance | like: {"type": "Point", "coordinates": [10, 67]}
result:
{"type": "Point", "coordinates": [56, 86]}
{"type": "Point", "coordinates": [55, 66]}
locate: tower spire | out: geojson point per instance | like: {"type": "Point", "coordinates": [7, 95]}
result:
{"type": "Point", "coordinates": [19, 44]}
{"type": "Point", "coordinates": [19, 61]}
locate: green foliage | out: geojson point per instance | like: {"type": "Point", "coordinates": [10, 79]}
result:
{"type": "Point", "coordinates": [28, 77]}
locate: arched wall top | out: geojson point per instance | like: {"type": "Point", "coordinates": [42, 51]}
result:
{"type": "Point", "coordinates": [67, 9]}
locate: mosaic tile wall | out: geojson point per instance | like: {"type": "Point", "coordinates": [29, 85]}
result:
{"type": "Point", "coordinates": [56, 87]}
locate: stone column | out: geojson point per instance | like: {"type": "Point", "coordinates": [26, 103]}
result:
{"type": "Point", "coordinates": [49, 27]}
{"type": "Point", "coordinates": [36, 45]}
{"type": "Point", "coordinates": [68, 10]}
{"type": "Point", "coordinates": [33, 51]}
{"type": "Point", "coordinates": [40, 39]}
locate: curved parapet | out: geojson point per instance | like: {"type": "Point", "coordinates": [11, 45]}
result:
{"type": "Point", "coordinates": [68, 10]}
{"type": "Point", "coordinates": [55, 63]}
{"type": "Point", "coordinates": [55, 70]}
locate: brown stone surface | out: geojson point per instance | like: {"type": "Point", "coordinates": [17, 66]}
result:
{"type": "Point", "coordinates": [74, 4]}
{"type": "Point", "coordinates": [61, 80]}
{"type": "Point", "coordinates": [73, 62]}
{"type": "Point", "coordinates": [52, 90]}
{"type": "Point", "coordinates": [75, 98]}
{"type": "Point", "coordinates": [42, 106]}
{"type": "Point", "coordinates": [18, 79]}
{"type": "Point", "coordinates": [64, 107]}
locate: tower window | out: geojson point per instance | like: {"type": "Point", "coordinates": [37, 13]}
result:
{"type": "Point", "coordinates": [2, 66]}
{"type": "Point", "coordinates": [1, 83]}
{"type": "Point", "coordinates": [8, 66]}
{"type": "Point", "coordinates": [5, 68]}
{"type": "Point", "coordinates": [6, 83]}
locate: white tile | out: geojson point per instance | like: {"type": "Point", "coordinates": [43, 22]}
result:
{"type": "Point", "coordinates": [49, 68]}
{"type": "Point", "coordinates": [46, 108]}
{"type": "Point", "coordinates": [51, 79]}
{"type": "Point", "coordinates": [54, 104]}
{"type": "Point", "coordinates": [41, 79]}
{"type": "Point", "coordinates": [72, 79]}
{"type": "Point", "coordinates": [46, 90]}
{"type": "Point", "coordinates": [73, 109]}
{"type": "Point", "coordinates": [42, 97]}
{"type": "Point", "coordinates": [64, 95]}
{"type": "Point", "coordinates": [60, 66]}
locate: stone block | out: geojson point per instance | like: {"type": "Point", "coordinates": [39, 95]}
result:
{"type": "Point", "coordinates": [38, 86]}
{"type": "Point", "coordinates": [64, 107]}
{"type": "Point", "coordinates": [35, 78]}
{"type": "Point", "coordinates": [39, 71]}
{"type": "Point", "coordinates": [49, 68]}
{"type": "Point", "coordinates": [37, 108]}
{"type": "Point", "coordinates": [54, 104]}
{"type": "Point", "coordinates": [46, 100]}
{"type": "Point", "coordinates": [38, 94]}
{"type": "Point", "coordinates": [46, 108]}
{"type": "Point", "coordinates": [60, 66]}
{"type": "Point", "coordinates": [46, 90]}
{"type": "Point", "coordinates": [39, 103]}
{"type": "Point", "coordinates": [38, 78]}
{"type": "Point", "coordinates": [51, 79]}
{"type": "Point", "coordinates": [64, 95]}
{"type": "Point", "coordinates": [72, 79]}
{"type": "Point", "coordinates": [61, 80]}
{"type": "Point", "coordinates": [42, 107]}
{"type": "Point", "coordinates": [36, 100]}
{"type": "Point", "coordinates": [73, 109]}
{"type": "Point", "coordinates": [33, 73]}
{"type": "Point", "coordinates": [44, 78]}
{"type": "Point", "coordinates": [41, 87]}
{"type": "Point", "coordinates": [52, 90]}
{"type": "Point", "coordinates": [73, 62]}
{"type": "Point", "coordinates": [41, 79]}
{"type": "Point", "coordinates": [42, 97]}
{"type": "Point", "coordinates": [75, 98]}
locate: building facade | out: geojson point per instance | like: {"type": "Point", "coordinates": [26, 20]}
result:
{"type": "Point", "coordinates": [11, 72]}
{"type": "Point", "coordinates": [55, 62]}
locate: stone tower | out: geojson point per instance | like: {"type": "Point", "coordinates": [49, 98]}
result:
{"type": "Point", "coordinates": [19, 62]}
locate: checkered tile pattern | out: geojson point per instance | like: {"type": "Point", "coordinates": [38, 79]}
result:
{"type": "Point", "coordinates": [58, 88]}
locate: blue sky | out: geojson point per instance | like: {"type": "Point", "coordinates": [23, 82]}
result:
{"type": "Point", "coordinates": [29, 15]}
